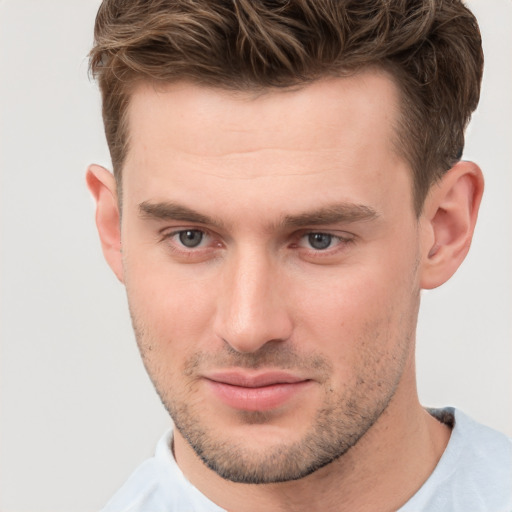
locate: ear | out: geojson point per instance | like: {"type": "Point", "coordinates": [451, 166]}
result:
{"type": "Point", "coordinates": [102, 186]}
{"type": "Point", "coordinates": [449, 217]}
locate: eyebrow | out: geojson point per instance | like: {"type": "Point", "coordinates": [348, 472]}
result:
{"type": "Point", "coordinates": [173, 211]}
{"type": "Point", "coordinates": [331, 214]}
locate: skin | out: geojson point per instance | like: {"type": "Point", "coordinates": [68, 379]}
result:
{"type": "Point", "coordinates": [252, 177]}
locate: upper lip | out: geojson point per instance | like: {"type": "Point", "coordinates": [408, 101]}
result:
{"type": "Point", "coordinates": [253, 380]}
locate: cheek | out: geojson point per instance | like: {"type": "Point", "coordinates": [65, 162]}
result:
{"type": "Point", "coordinates": [363, 313]}
{"type": "Point", "coordinates": [170, 322]}
{"type": "Point", "coordinates": [170, 308]}
{"type": "Point", "coordinates": [368, 339]}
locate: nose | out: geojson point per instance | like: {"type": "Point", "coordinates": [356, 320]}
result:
{"type": "Point", "coordinates": [252, 306]}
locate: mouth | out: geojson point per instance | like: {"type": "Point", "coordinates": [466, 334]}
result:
{"type": "Point", "coordinates": [260, 391]}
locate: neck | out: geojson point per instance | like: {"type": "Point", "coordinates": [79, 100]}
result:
{"type": "Point", "coordinates": [380, 473]}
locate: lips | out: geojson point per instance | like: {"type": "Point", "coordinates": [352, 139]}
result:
{"type": "Point", "coordinates": [255, 391]}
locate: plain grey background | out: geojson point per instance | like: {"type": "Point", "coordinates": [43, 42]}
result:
{"type": "Point", "coordinates": [78, 412]}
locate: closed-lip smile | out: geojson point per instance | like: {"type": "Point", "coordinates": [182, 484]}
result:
{"type": "Point", "coordinates": [255, 391]}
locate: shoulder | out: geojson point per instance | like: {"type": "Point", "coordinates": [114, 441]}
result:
{"type": "Point", "coordinates": [477, 449]}
{"type": "Point", "coordinates": [158, 485]}
{"type": "Point", "coordinates": [474, 473]}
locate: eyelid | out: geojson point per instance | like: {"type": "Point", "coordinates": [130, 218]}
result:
{"type": "Point", "coordinates": [209, 245]}
{"type": "Point", "coordinates": [169, 233]}
{"type": "Point", "coordinates": [343, 236]}
{"type": "Point", "coordinates": [344, 239]}
{"type": "Point", "coordinates": [169, 230]}
{"type": "Point", "coordinates": [213, 241]}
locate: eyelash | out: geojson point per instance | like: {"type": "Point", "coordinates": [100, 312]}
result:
{"type": "Point", "coordinates": [172, 241]}
{"type": "Point", "coordinates": [341, 240]}
{"type": "Point", "coordinates": [191, 252]}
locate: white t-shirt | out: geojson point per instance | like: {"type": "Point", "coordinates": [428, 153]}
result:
{"type": "Point", "coordinates": [473, 475]}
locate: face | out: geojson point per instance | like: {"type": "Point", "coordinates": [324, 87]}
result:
{"type": "Point", "coordinates": [270, 255]}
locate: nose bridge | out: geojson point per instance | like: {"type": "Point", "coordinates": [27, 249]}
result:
{"type": "Point", "coordinates": [252, 310]}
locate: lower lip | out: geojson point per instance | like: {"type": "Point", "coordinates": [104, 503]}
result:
{"type": "Point", "coordinates": [256, 399]}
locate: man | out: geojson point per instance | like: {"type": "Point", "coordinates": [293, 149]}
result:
{"type": "Point", "coordinates": [287, 178]}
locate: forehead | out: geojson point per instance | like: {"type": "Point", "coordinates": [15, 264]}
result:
{"type": "Point", "coordinates": [336, 130]}
{"type": "Point", "coordinates": [327, 111]}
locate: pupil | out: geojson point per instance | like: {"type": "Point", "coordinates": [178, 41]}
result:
{"type": "Point", "coordinates": [191, 238]}
{"type": "Point", "coordinates": [320, 240]}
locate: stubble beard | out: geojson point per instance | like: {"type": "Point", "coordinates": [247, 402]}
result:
{"type": "Point", "coordinates": [334, 431]}
{"type": "Point", "coordinates": [339, 423]}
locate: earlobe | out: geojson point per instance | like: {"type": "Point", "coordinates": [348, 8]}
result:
{"type": "Point", "coordinates": [450, 215]}
{"type": "Point", "coordinates": [102, 185]}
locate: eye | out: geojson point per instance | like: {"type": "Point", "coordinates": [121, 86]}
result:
{"type": "Point", "coordinates": [191, 245]}
{"type": "Point", "coordinates": [190, 238]}
{"type": "Point", "coordinates": [318, 244]}
{"type": "Point", "coordinates": [320, 241]}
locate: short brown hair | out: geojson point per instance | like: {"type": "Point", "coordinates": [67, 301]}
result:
{"type": "Point", "coordinates": [432, 49]}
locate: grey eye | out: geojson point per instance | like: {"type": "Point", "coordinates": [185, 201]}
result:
{"type": "Point", "coordinates": [191, 238]}
{"type": "Point", "coordinates": [319, 241]}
